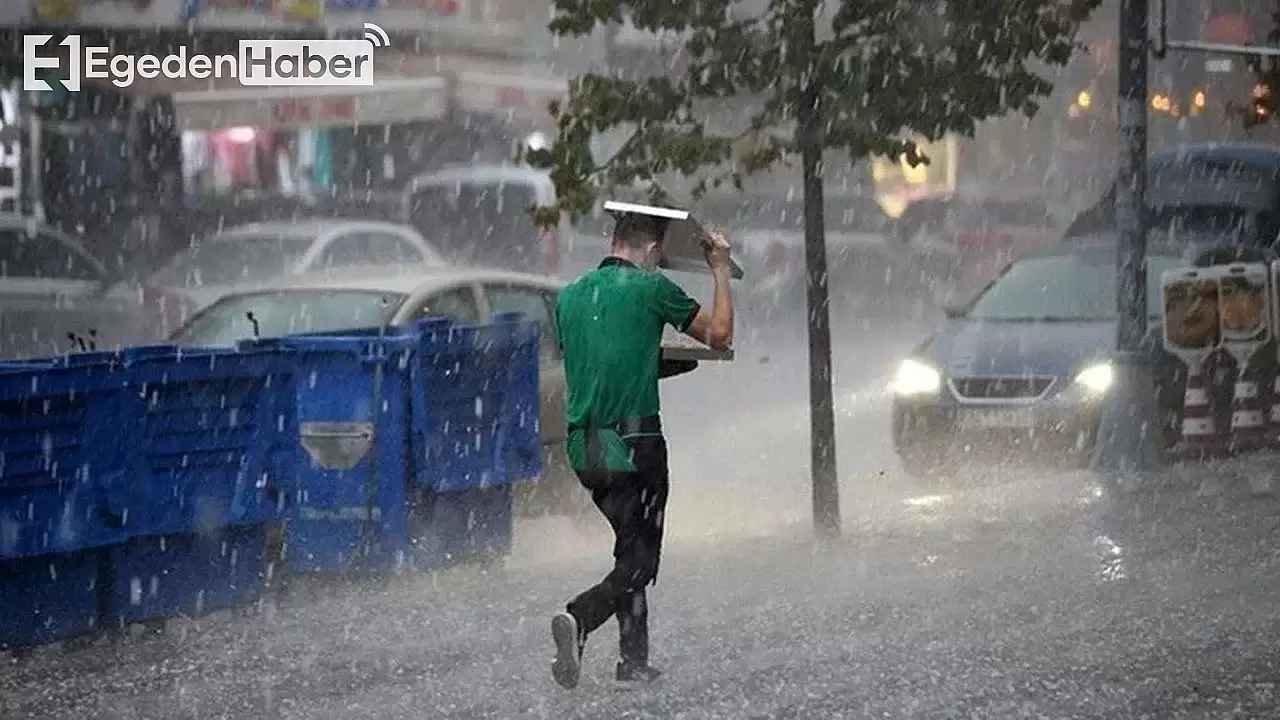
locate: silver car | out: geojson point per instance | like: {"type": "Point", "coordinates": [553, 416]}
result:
{"type": "Point", "coordinates": [53, 294]}
{"type": "Point", "coordinates": [262, 253]}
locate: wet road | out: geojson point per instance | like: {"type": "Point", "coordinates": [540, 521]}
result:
{"type": "Point", "coordinates": [1019, 594]}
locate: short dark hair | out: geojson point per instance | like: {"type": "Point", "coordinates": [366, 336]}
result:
{"type": "Point", "coordinates": [635, 231]}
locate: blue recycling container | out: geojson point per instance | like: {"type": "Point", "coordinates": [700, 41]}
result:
{"type": "Point", "coordinates": [158, 576]}
{"type": "Point", "coordinates": [50, 598]}
{"type": "Point", "coordinates": [347, 513]}
{"type": "Point", "coordinates": [476, 419]}
{"type": "Point", "coordinates": [60, 441]}
{"type": "Point", "coordinates": [204, 424]}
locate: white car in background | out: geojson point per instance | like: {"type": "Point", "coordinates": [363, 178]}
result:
{"type": "Point", "coordinates": [53, 294]}
{"type": "Point", "coordinates": [479, 215]}
{"type": "Point", "coordinates": [262, 253]}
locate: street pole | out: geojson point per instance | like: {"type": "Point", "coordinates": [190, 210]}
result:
{"type": "Point", "coordinates": [1130, 440]}
{"type": "Point", "coordinates": [1131, 178]}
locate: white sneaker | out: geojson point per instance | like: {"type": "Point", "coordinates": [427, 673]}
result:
{"type": "Point", "coordinates": [567, 667]}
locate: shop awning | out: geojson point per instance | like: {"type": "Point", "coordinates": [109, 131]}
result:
{"type": "Point", "coordinates": [512, 97]}
{"type": "Point", "coordinates": [389, 101]}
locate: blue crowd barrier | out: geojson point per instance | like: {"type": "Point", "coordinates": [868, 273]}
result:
{"type": "Point", "coordinates": [139, 484]}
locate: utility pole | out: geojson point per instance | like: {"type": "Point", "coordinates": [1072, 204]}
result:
{"type": "Point", "coordinates": [1131, 180]}
{"type": "Point", "coordinates": [1129, 443]}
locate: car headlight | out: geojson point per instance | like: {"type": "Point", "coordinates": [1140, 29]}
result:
{"type": "Point", "coordinates": [1097, 378]}
{"type": "Point", "coordinates": [915, 378]}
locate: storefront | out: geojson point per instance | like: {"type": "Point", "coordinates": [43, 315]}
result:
{"type": "Point", "coordinates": [367, 139]}
{"type": "Point", "coordinates": [112, 13]}
{"type": "Point", "coordinates": [283, 138]}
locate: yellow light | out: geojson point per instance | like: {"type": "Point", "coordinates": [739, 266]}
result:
{"type": "Point", "coordinates": [879, 169]}
{"type": "Point", "coordinates": [1084, 99]}
{"type": "Point", "coordinates": [917, 175]}
{"type": "Point", "coordinates": [893, 204]}
{"type": "Point", "coordinates": [1198, 100]}
{"type": "Point", "coordinates": [1162, 103]}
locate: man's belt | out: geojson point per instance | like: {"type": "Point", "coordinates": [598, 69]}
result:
{"type": "Point", "coordinates": [632, 426]}
{"type": "Point", "coordinates": [647, 425]}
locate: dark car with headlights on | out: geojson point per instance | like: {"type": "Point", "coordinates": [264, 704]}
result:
{"type": "Point", "coordinates": [1021, 371]}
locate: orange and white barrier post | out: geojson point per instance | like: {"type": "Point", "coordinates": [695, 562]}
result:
{"type": "Point", "coordinates": [1198, 426]}
{"type": "Point", "coordinates": [1245, 326]}
{"type": "Point", "coordinates": [1192, 334]}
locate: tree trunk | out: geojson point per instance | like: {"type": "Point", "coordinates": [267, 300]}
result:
{"type": "Point", "coordinates": [822, 422]}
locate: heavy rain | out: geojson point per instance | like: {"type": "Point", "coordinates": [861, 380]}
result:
{"type": "Point", "coordinates": [290, 359]}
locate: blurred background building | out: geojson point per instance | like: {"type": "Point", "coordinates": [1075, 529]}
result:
{"type": "Point", "coordinates": [466, 80]}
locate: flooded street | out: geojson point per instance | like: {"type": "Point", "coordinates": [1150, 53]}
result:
{"type": "Point", "coordinates": [1019, 594]}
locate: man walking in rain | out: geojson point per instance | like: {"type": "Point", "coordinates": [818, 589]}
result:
{"type": "Point", "coordinates": [610, 323]}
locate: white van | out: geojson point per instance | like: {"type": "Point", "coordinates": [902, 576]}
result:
{"type": "Point", "coordinates": [480, 215]}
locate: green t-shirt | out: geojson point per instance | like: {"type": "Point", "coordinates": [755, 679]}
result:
{"type": "Point", "coordinates": [610, 323]}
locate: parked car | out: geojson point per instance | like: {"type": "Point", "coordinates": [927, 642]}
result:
{"type": "Point", "coordinates": [1021, 371]}
{"type": "Point", "coordinates": [265, 252]}
{"type": "Point", "coordinates": [53, 294]}
{"type": "Point", "coordinates": [480, 215]}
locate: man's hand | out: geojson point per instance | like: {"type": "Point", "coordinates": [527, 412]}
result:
{"type": "Point", "coordinates": [716, 328]}
{"type": "Point", "coordinates": [717, 251]}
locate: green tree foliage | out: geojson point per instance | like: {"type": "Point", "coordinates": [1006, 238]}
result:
{"type": "Point", "coordinates": [872, 74]}
{"type": "Point", "coordinates": [861, 76]}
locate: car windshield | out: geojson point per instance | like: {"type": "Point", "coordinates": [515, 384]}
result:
{"type": "Point", "coordinates": [1076, 287]}
{"type": "Point", "coordinates": [241, 257]}
{"type": "Point", "coordinates": [287, 312]}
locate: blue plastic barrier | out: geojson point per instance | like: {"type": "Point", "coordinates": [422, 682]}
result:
{"type": "Point", "coordinates": [475, 415]}
{"type": "Point", "coordinates": [49, 598]}
{"type": "Point", "coordinates": [417, 480]}
{"type": "Point", "coordinates": [205, 422]}
{"type": "Point", "coordinates": [139, 484]}
{"type": "Point", "coordinates": [59, 433]}
{"type": "Point", "coordinates": [348, 511]}
{"type": "Point", "coordinates": [161, 576]}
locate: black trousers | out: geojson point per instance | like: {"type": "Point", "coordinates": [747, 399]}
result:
{"type": "Point", "coordinates": [634, 504]}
